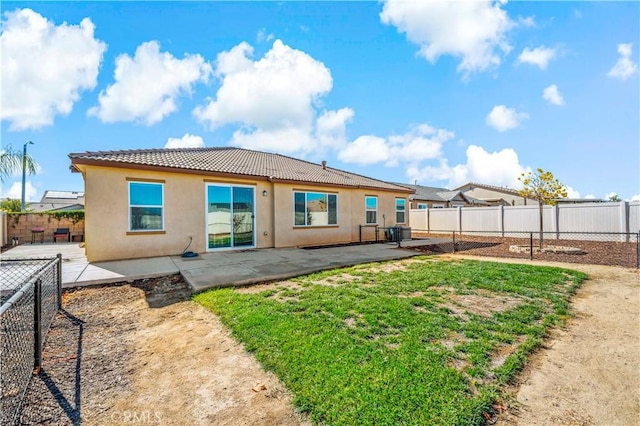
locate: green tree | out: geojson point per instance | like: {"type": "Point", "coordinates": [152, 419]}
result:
{"type": "Point", "coordinates": [614, 198]}
{"type": "Point", "coordinates": [11, 163]}
{"type": "Point", "coordinates": [10, 205]}
{"type": "Point", "coordinates": [544, 188]}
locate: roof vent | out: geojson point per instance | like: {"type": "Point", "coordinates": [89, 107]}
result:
{"type": "Point", "coordinates": [324, 165]}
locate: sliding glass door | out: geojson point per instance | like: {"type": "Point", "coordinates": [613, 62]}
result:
{"type": "Point", "coordinates": [230, 216]}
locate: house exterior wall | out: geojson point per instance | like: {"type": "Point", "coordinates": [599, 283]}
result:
{"type": "Point", "coordinates": [107, 234]}
{"type": "Point", "coordinates": [351, 214]}
{"type": "Point", "coordinates": [107, 214]}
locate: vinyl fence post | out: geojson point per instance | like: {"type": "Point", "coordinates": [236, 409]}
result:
{"type": "Point", "coordinates": [59, 279]}
{"type": "Point", "coordinates": [638, 250]}
{"type": "Point", "coordinates": [37, 324]}
{"type": "Point", "coordinates": [530, 245]}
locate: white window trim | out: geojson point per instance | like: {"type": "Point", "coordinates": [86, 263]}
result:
{"type": "Point", "coordinates": [437, 206]}
{"type": "Point", "coordinates": [404, 211]}
{"type": "Point", "coordinates": [206, 208]}
{"type": "Point", "coordinates": [424, 206]}
{"type": "Point", "coordinates": [366, 209]}
{"type": "Point", "coordinates": [143, 205]}
{"type": "Point", "coordinates": [305, 208]}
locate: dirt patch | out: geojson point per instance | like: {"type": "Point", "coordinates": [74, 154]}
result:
{"type": "Point", "coordinates": [587, 373]}
{"type": "Point", "coordinates": [485, 304]}
{"type": "Point", "coordinates": [259, 288]}
{"type": "Point", "coordinates": [112, 359]}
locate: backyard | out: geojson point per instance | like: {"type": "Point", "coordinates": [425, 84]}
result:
{"type": "Point", "coordinates": [421, 341]}
{"type": "Point", "coordinates": [426, 340]}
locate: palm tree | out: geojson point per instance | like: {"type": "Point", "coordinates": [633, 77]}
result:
{"type": "Point", "coordinates": [11, 163]}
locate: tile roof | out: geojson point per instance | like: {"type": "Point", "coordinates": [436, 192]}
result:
{"type": "Point", "coordinates": [232, 161]}
{"type": "Point", "coordinates": [504, 190]}
{"type": "Point", "coordinates": [430, 193]}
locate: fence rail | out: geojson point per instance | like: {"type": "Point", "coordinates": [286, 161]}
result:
{"type": "Point", "coordinates": [31, 292]}
{"type": "Point", "coordinates": [599, 248]}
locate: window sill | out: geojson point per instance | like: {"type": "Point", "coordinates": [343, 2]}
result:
{"type": "Point", "coordinates": [146, 232]}
{"type": "Point", "coordinates": [315, 226]}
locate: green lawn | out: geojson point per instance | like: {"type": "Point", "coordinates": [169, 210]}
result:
{"type": "Point", "coordinates": [423, 341]}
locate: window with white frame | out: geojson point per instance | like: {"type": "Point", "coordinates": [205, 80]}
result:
{"type": "Point", "coordinates": [437, 206]}
{"type": "Point", "coordinates": [146, 206]}
{"type": "Point", "coordinates": [371, 209]}
{"type": "Point", "coordinates": [401, 205]}
{"type": "Point", "coordinates": [422, 206]}
{"type": "Point", "coordinates": [315, 209]}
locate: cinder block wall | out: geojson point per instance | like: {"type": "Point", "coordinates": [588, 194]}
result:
{"type": "Point", "coordinates": [20, 225]}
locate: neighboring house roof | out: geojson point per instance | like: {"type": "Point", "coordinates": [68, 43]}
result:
{"type": "Point", "coordinates": [471, 185]}
{"type": "Point", "coordinates": [579, 200]}
{"type": "Point", "coordinates": [48, 207]}
{"type": "Point", "coordinates": [230, 161]}
{"type": "Point", "coordinates": [62, 197]}
{"type": "Point", "coordinates": [430, 193]}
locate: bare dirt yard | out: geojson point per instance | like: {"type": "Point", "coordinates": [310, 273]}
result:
{"type": "Point", "coordinates": [144, 353]}
{"type": "Point", "coordinates": [119, 356]}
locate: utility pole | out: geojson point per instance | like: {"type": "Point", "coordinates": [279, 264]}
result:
{"type": "Point", "coordinates": [24, 174]}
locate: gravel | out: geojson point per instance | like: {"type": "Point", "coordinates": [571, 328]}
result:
{"type": "Point", "coordinates": [591, 252]}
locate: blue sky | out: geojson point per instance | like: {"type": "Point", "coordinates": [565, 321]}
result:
{"type": "Point", "coordinates": [433, 92]}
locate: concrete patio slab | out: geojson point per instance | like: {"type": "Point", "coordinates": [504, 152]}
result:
{"type": "Point", "coordinates": [214, 269]}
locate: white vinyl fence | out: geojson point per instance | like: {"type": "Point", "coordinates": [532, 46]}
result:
{"type": "Point", "coordinates": [561, 220]}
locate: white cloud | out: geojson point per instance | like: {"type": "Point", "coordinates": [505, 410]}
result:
{"type": "Point", "coordinates": [421, 142]}
{"type": "Point", "coordinates": [15, 192]}
{"type": "Point", "coordinates": [588, 196]}
{"type": "Point", "coordinates": [572, 193]}
{"type": "Point", "coordinates": [635, 197]}
{"type": "Point", "coordinates": [502, 118]}
{"type": "Point", "coordinates": [625, 67]}
{"type": "Point", "coordinates": [187, 141]}
{"type": "Point", "coordinates": [147, 86]}
{"type": "Point", "coordinates": [500, 168]}
{"type": "Point", "coordinates": [474, 31]}
{"type": "Point", "coordinates": [263, 35]}
{"type": "Point", "coordinates": [552, 95]}
{"type": "Point", "coordinates": [610, 195]}
{"type": "Point", "coordinates": [539, 56]}
{"type": "Point", "coordinates": [275, 100]}
{"type": "Point", "coordinates": [367, 149]}
{"type": "Point", "coordinates": [45, 67]}
{"type": "Point", "coordinates": [331, 127]}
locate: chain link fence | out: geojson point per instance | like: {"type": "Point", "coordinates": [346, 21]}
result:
{"type": "Point", "coordinates": [597, 248]}
{"type": "Point", "coordinates": [31, 291]}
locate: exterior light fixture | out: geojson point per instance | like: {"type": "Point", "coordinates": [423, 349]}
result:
{"type": "Point", "coordinates": [264, 193]}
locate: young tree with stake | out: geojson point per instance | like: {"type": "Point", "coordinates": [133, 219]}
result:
{"type": "Point", "coordinates": [544, 188]}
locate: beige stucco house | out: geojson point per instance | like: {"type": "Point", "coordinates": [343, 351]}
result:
{"type": "Point", "coordinates": [145, 203]}
{"type": "Point", "coordinates": [429, 197]}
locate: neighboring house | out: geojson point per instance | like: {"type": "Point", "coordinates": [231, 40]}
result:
{"type": "Point", "coordinates": [58, 201]}
{"type": "Point", "coordinates": [580, 200]}
{"type": "Point", "coordinates": [144, 203]}
{"type": "Point", "coordinates": [434, 198]}
{"type": "Point", "coordinates": [495, 195]}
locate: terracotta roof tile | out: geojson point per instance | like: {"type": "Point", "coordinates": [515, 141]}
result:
{"type": "Point", "coordinates": [233, 161]}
